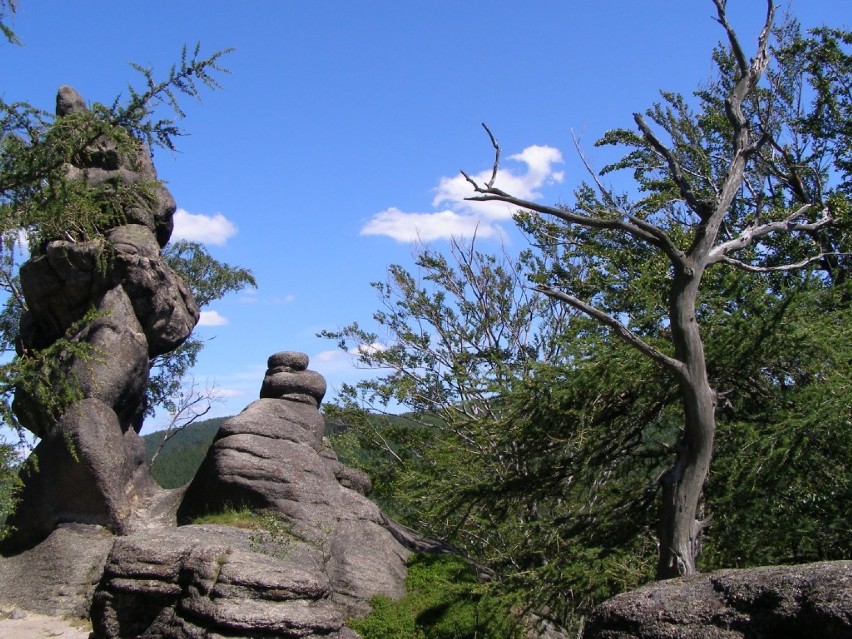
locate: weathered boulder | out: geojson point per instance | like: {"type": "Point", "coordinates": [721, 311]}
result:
{"type": "Point", "coordinates": [58, 577]}
{"type": "Point", "coordinates": [161, 301]}
{"type": "Point", "coordinates": [201, 581]}
{"type": "Point", "coordinates": [89, 471]}
{"type": "Point", "coordinates": [782, 602]}
{"type": "Point", "coordinates": [329, 551]}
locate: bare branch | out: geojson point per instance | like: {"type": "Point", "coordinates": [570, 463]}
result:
{"type": "Point", "coordinates": [701, 208]}
{"type": "Point", "coordinates": [748, 236]}
{"type": "Point", "coordinates": [736, 48]}
{"type": "Point", "coordinates": [9, 285]}
{"type": "Point", "coordinates": [706, 233]}
{"type": "Point", "coordinates": [732, 36]}
{"type": "Point", "coordinates": [675, 366]}
{"type": "Point", "coordinates": [751, 268]}
{"type": "Point", "coordinates": [639, 229]}
{"type": "Point", "coordinates": [190, 407]}
{"type": "Point", "coordinates": [606, 193]}
{"type": "Point", "coordinates": [496, 156]}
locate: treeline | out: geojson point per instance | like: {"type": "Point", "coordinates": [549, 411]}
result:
{"type": "Point", "coordinates": [182, 454]}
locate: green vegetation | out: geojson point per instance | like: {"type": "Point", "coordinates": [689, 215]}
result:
{"type": "Point", "coordinates": [233, 516]}
{"type": "Point", "coordinates": [272, 535]}
{"type": "Point", "coordinates": [182, 454]}
{"type": "Point", "coordinates": [444, 600]}
{"type": "Point", "coordinates": [545, 432]}
{"type": "Point", "coordinates": [9, 483]}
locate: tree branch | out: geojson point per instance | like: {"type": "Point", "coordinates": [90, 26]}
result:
{"type": "Point", "coordinates": [636, 227]}
{"type": "Point", "coordinates": [751, 268]}
{"type": "Point", "coordinates": [742, 150]}
{"type": "Point", "coordinates": [701, 208]}
{"type": "Point", "coordinates": [748, 236]}
{"type": "Point", "coordinates": [670, 363]}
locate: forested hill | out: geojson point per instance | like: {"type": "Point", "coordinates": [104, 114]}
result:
{"type": "Point", "coordinates": [183, 453]}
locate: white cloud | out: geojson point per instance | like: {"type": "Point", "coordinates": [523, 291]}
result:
{"type": "Point", "coordinates": [207, 229]}
{"type": "Point", "coordinates": [460, 217]}
{"type": "Point", "coordinates": [369, 349]}
{"type": "Point", "coordinates": [333, 355]}
{"type": "Point", "coordinates": [335, 360]}
{"type": "Point", "coordinates": [212, 318]}
{"type": "Point", "coordinates": [426, 227]}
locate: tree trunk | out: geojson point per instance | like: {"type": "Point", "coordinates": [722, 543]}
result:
{"type": "Point", "coordinates": [683, 484]}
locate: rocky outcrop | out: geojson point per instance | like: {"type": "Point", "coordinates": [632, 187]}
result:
{"type": "Point", "coordinates": [110, 544]}
{"type": "Point", "coordinates": [322, 552]}
{"type": "Point", "coordinates": [90, 462]}
{"type": "Point", "coordinates": [317, 552]}
{"type": "Point", "coordinates": [782, 602]}
{"type": "Point", "coordinates": [58, 576]}
{"type": "Point", "coordinates": [199, 581]}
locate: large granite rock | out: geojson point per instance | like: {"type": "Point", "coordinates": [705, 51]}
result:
{"type": "Point", "coordinates": [201, 581]}
{"type": "Point", "coordinates": [57, 577]}
{"type": "Point", "coordinates": [319, 551]}
{"type": "Point", "coordinates": [89, 466]}
{"type": "Point", "coordinates": [782, 602]}
{"type": "Point", "coordinates": [322, 552]}
{"type": "Point", "coordinates": [273, 456]}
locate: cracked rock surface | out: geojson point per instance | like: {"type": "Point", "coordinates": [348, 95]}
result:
{"type": "Point", "coordinates": [782, 602]}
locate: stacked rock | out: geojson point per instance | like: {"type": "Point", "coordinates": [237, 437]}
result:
{"type": "Point", "coordinates": [273, 456]}
{"type": "Point", "coordinates": [288, 377]}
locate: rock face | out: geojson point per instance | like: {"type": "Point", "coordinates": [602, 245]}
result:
{"type": "Point", "coordinates": [782, 602]}
{"type": "Point", "coordinates": [200, 581]}
{"type": "Point", "coordinates": [329, 553]}
{"type": "Point", "coordinates": [57, 577]}
{"type": "Point", "coordinates": [91, 466]}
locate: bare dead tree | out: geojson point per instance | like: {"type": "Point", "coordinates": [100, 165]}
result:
{"type": "Point", "coordinates": [681, 520]}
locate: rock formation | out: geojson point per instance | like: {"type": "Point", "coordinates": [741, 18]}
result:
{"type": "Point", "coordinates": [782, 602]}
{"type": "Point", "coordinates": [325, 549]}
{"type": "Point", "coordinates": [111, 547]}
{"type": "Point", "coordinates": [330, 551]}
{"type": "Point", "coordinates": [90, 461]}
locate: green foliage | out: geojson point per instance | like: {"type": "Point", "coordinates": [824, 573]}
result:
{"type": "Point", "coordinates": [444, 600]}
{"type": "Point", "coordinates": [182, 454]}
{"type": "Point", "coordinates": [7, 7]}
{"type": "Point", "coordinates": [10, 483]}
{"type": "Point", "coordinates": [535, 439]}
{"type": "Point", "coordinates": [271, 535]}
{"type": "Point", "coordinates": [794, 504]}
{"type": "Point", "coordinates": [207, 278]}
{"type": "Point", "coordinates": [543, 465]}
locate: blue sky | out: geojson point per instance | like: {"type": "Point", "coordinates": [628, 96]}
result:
{"type": "Point", "coordinates": [338, 136]}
